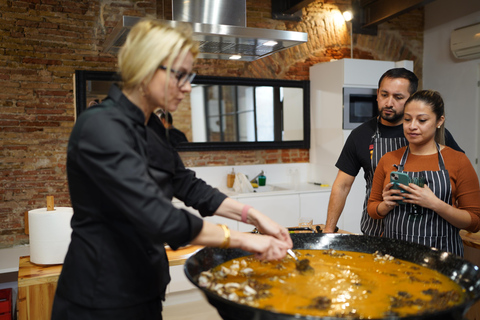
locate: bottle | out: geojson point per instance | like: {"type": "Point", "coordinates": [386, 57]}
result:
{"type": "Point", "coordinates": [231, 179]}
{"type": "Point", "coordinates": [262, 180]}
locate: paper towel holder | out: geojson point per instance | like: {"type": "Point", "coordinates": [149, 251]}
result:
{"type": "Point", "coordinates": [50, 203]}
{"type": "Point", "coordinates": [25, 222]}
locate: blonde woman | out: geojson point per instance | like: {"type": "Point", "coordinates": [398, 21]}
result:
{"type": "Point", "coordinates": [443, 193]}
{"type": "Point", "coordinates": [122, 176]}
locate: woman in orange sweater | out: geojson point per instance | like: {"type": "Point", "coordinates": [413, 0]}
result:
{"type": "Point", "coordinates": [447, 199]}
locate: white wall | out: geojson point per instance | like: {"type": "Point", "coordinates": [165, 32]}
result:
{"type": "Point", "coordinates": [455, 79]}
{"type": "Point", "coordinates": [292, 114]}
{"type": "Point", "coordinates": [199, 130]}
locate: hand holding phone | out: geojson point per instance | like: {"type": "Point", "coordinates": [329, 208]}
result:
{"type": "Point", "coordinates": [399, 178]}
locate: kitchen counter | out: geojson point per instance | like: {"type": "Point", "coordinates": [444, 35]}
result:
{"type": "Point", "coordinates": [470, 239]}
{"type": "Point", "coordinates": [37, 284]}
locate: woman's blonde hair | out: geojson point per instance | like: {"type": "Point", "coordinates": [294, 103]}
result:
{"type": "Point", "coordinates": [149, 45]}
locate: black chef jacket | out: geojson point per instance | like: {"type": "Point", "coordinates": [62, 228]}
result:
{"type": "Point", "coordinates": [122, 176]}
{"type": "Point", "coordinates": [176, 136]}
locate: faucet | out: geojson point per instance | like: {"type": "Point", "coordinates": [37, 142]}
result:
{"type": "Point", "coordinates": [255, 179]}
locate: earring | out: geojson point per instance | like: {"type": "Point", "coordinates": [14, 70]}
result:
{"type": "Point", "coordinates": [438, 127]}
{"type": "Point", "coordinates": [142, 90]}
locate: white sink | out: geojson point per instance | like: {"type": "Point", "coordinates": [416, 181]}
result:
{"type": "Point", "coordinates": [269, 188]}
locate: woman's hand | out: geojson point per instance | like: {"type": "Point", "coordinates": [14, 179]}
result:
{"type": "Point", "coordinates": [276, 239]}
{"type": "Point", "coordinates": [423, 197]}
{"type": "Point", "coordinates": [233, 209]}
{"type": "Point", "coordinates": [390, 199]}
{"type": "Point", "coordinates": [265, 225]}
{"type": "Point", "coordinates": [264, 247]}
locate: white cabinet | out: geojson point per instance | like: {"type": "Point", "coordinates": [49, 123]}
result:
{"type": "Point", "coordinates": [232, 224]}
{"type": "Point", "coordinates": [282, 208]}
{"type": "Point", "coordinates": [314, 205]}
{"type": "Point", "coordinates": [179, 281]}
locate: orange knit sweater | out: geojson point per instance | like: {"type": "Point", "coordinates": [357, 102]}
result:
{"type": "Point", "coordinates": [465, 185]}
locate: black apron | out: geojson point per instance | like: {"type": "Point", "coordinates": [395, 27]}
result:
{"type": "Point", "coordinates": [421, 225]}
{"type": "Point", "coordinates": [379, 146]}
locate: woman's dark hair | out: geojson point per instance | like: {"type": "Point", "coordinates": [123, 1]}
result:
{"type": "Point", "coordinates": [433, 99]}
{"type": "Point", "coordinates": [401, 73]}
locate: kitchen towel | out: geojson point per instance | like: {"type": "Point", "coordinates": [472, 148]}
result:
{"type": "Point", "coordinates": [49, 233]}
{"type": "Point", "coordinates": [241, 184]}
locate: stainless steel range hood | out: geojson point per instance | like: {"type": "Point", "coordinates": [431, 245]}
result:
{"type": "Point", "coordinates": [211, 22]}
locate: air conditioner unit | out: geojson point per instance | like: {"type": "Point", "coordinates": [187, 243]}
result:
{"type": "Point", "coordinates": [465, 42]}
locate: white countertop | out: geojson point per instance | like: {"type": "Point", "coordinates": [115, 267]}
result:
{"type": "Point", "coordinates": [277, 174]}
{"type": "Point", "coordinates": [280, 188]}
{"type": "Point", "coordinates": [9, 257]}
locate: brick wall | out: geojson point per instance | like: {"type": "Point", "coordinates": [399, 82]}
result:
{"type": "Point", "coordinates": [44, 41]}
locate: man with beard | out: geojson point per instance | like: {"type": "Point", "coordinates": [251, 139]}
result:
{"type": "Point", "coordinates": [367, 143]}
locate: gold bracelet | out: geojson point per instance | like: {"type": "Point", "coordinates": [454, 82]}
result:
{"type": "Point", "coordinates": [226, 240]}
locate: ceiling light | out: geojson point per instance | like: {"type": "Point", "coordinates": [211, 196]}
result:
{"type": "Point", "coordinates": [270, 43]}
{"type": "Point", "coordinates": [347, 15]}
{"type": "Point", "coordinates": [235, 57]}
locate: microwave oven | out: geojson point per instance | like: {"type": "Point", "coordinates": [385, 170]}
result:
{"type": "Point", "coordinates": [359, 105]}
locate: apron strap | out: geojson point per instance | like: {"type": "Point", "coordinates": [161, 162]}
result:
{"type": "Point", "coordinates": [441, 163]}
{"type": "Point", "coordinates": [377, 133]}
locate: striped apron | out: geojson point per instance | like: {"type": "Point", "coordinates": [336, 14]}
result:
{"type": "Point", "coordinates": [421, 225]}
{"type": "Point", "coordinates": [378, 147]}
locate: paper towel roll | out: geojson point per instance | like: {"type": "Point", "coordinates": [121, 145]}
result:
{"type": "Point", "coordinates": [49, 233]}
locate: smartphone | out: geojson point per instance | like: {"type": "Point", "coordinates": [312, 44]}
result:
{"type": "Point", "coordinates": [399, 177]}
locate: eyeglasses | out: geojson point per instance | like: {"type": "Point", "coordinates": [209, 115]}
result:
{"type": "Point", "coordinates": [181, 76]}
